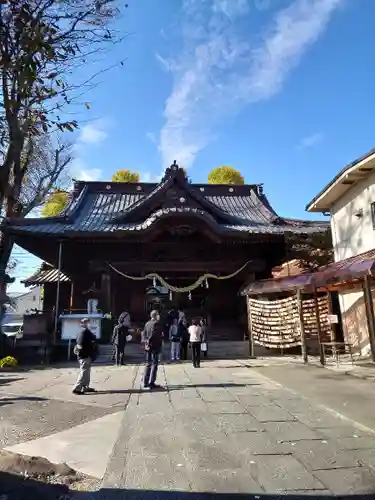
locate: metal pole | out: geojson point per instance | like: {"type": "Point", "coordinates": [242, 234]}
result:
{"type": "Point", "coordinates": [318, 325]}
{"type": "Point", "coordinates": [57, 293]}
{"type": "Point", "coordinates": [369, 313]}
{"type": "Point", "coordinates": [302, 326]}
{"type": "Point", "coordinates": [250, 329]}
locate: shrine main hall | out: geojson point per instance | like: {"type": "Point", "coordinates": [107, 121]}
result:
{"type": "Point", "coordinates": [136, 246]}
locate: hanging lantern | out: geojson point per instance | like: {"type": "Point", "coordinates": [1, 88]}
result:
{"type": "Point", "coordinates": [206, 283]}
{"type": "Point", "coordinates": [189, 295]}
{"type": "Point", "coordinates": [170, 295]}
{"type": "Point", "coordinates": [154, 282]}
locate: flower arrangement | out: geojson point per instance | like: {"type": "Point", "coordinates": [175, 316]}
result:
{"type": "Point", "coordinates": [8, 361]}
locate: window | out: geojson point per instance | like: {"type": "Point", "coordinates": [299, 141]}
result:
{"type": "Point", "coordinates": [373, 214]}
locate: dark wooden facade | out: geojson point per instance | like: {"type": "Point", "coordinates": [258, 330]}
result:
{"type": "Point", "coordinates": [176, 229]}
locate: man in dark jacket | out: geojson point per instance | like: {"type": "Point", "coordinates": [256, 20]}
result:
{"type": "Point", "coordinates": [184, 336]}
{"type": "Point", "coordinates": [119, 337]}
{"type": "Point", "coordinates": [152, 339]}
{"type": "Point", "coordinates": [86, 350]}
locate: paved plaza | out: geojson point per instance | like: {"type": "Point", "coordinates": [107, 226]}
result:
{"type": "Point", "coordinates": [226, 428]}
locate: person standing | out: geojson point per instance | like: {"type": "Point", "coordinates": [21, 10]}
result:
{"type": "Point", "coordinates": [86, 351]}
{"type": "Point", "coordinates": [204, 345]}
{"type": "Point", "coordinates": [175, 340]}
{"type": "Point", "coordinates": [152, 339]}
{"type": "Point", "coordinates": [195, 333]}
{"type": "Point", "coordinates": [119, 341]}
{"type": "Point", "coordinates": [184, 338]}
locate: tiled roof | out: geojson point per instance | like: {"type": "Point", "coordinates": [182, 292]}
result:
{"type": "Point", "coordinates": [343, 271]}
{"type": "Point", "coordinates": [49, 275]}
{"type": "Point", "coordinates": [103, 208]}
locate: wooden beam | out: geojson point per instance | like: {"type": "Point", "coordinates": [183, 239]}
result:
{"type": "Point", "coordinates": [318, 326]}
{"type": "Point", "coordinates": [106, 291]}
{"type": "Point", "coordinates": [302, 326]}
{"type": "Point", "coordinates": [250, 332]}
{"type": "Point", "coordinates": [71, 298]}
{"type": "Point", "coordinates": [201, 267]}
{"type": "Point", "coordinates": [367, 293]}
{"type": "Point", "coordinates": [330, 312]}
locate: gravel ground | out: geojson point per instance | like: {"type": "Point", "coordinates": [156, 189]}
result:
{"type": "Point", "coordinates": [23, 419]}
{"type": "Point", "coordinates": [23, 477]}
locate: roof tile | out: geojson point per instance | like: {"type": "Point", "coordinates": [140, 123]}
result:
{"type": "Point", "coordinates": [95, 211]}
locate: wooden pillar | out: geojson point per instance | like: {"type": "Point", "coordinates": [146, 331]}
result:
{"type": "Point", "coordinates": [250, 329]}
{"type": "Point", "coordinates": [318, 326]}
{"type": "Point", "coordinates": [57, 293]}
{"type": "Point", "coordinates": [71, 298]}
{"type": "Point", "coordinates": [330, 313]}
{"type": "Point", "coordinates": [369, 313]}
{"type": "Point", "coordinates": [302, 326]}
{"type": "Point", "coordinates": [106, 293]}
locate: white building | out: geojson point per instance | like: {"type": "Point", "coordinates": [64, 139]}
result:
{"type": "Point", "coordinates": [350, 200]}
{"type": "Point", "coordinates": [23, 303]}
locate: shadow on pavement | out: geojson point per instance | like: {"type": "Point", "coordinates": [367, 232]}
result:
{"type": "Point", "coordinates": [172, 387]}
{"type": "Point", "coordinates": [8, 380]}
{"type": "Point", "coordinates": [15, 399]}
{"type": "Point", "coordinates": [112, 494]}
{"type": "Point", "coordinates": [222, 385]}
{"type": "Point", "coordinates": [16, 487]}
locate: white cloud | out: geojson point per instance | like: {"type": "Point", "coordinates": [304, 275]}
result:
{"type": "Point", "coordinates": [151, 137]}
{"type": "Point", "coordinates": [164, 63]}
{"type": "Point", "coordinates": [82, 172]}
{"type": "Point", "coordinates": [310, 140]}
{"type": "Point", "coordinates": [150, 177]}
{"type": "Point", "coordinates": [90, 174]}
{"type": "Point", "coordinates": [220, 71]}
{"type": "Point", "coordinates": [231, 8]}
{"type": "Point", "coordinates": [89, 136]}
{"type": "Point", "coordinates": [92, 133]}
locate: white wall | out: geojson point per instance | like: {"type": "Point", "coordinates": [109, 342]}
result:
{"type": "Point", "coordinates": [351, 236]}
{"type": "Point", "coordinates": [26, 301]}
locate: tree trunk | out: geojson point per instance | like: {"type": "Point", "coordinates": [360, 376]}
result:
{"type": "Point", "coordinates": [6, 247]}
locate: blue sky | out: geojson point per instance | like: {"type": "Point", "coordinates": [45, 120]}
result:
{"type": "Point", "coordinates": [283, 90]}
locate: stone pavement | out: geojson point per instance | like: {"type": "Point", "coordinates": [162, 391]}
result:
{"type": "Point", "coordinates": [40, 416]}
{"type": "Point", "coordinates": [226, 428]}
{"type": "Point", "coordinates": [230, 428]}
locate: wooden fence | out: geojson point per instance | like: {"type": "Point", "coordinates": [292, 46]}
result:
{"type": "Point", "coordinates": [277, 323]}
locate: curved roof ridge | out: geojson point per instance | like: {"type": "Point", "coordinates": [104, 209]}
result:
{"type": "Point", "coordinates": [175, 175]}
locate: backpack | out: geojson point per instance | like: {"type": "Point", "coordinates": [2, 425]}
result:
{"type": "Point", "coordinates": [156, 335]}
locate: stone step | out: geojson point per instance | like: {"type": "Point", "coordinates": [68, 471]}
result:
{"type": "Point", "coordinates": [216, 350]}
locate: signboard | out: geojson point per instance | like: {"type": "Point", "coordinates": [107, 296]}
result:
{"type": "Point", "coordinates": [71, 326]}
{"type": "Point", "coordinates": [332, 319]}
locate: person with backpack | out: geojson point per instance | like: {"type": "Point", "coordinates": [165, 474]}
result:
{"type": "Point", "coordinates": [174, 337]}
{"type": "Point", "coordinates": [86, 349]}
{"type": "Point", "coordinates": [152, 340]}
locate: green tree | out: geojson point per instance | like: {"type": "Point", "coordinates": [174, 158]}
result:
{"type": "Point", "coordinates": [225, 175]}
{"type": "Point", "coordinates": [42, 43]}
{"type": "Point", "coordinates": [312, 251]}
{"type": "Point", "coordinates": [125, 176]}
{"type": "Point", "coordinates": [55, 203]}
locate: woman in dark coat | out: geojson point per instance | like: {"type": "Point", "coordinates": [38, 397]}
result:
{"type": "Point", "coordinates": [184, 336]}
